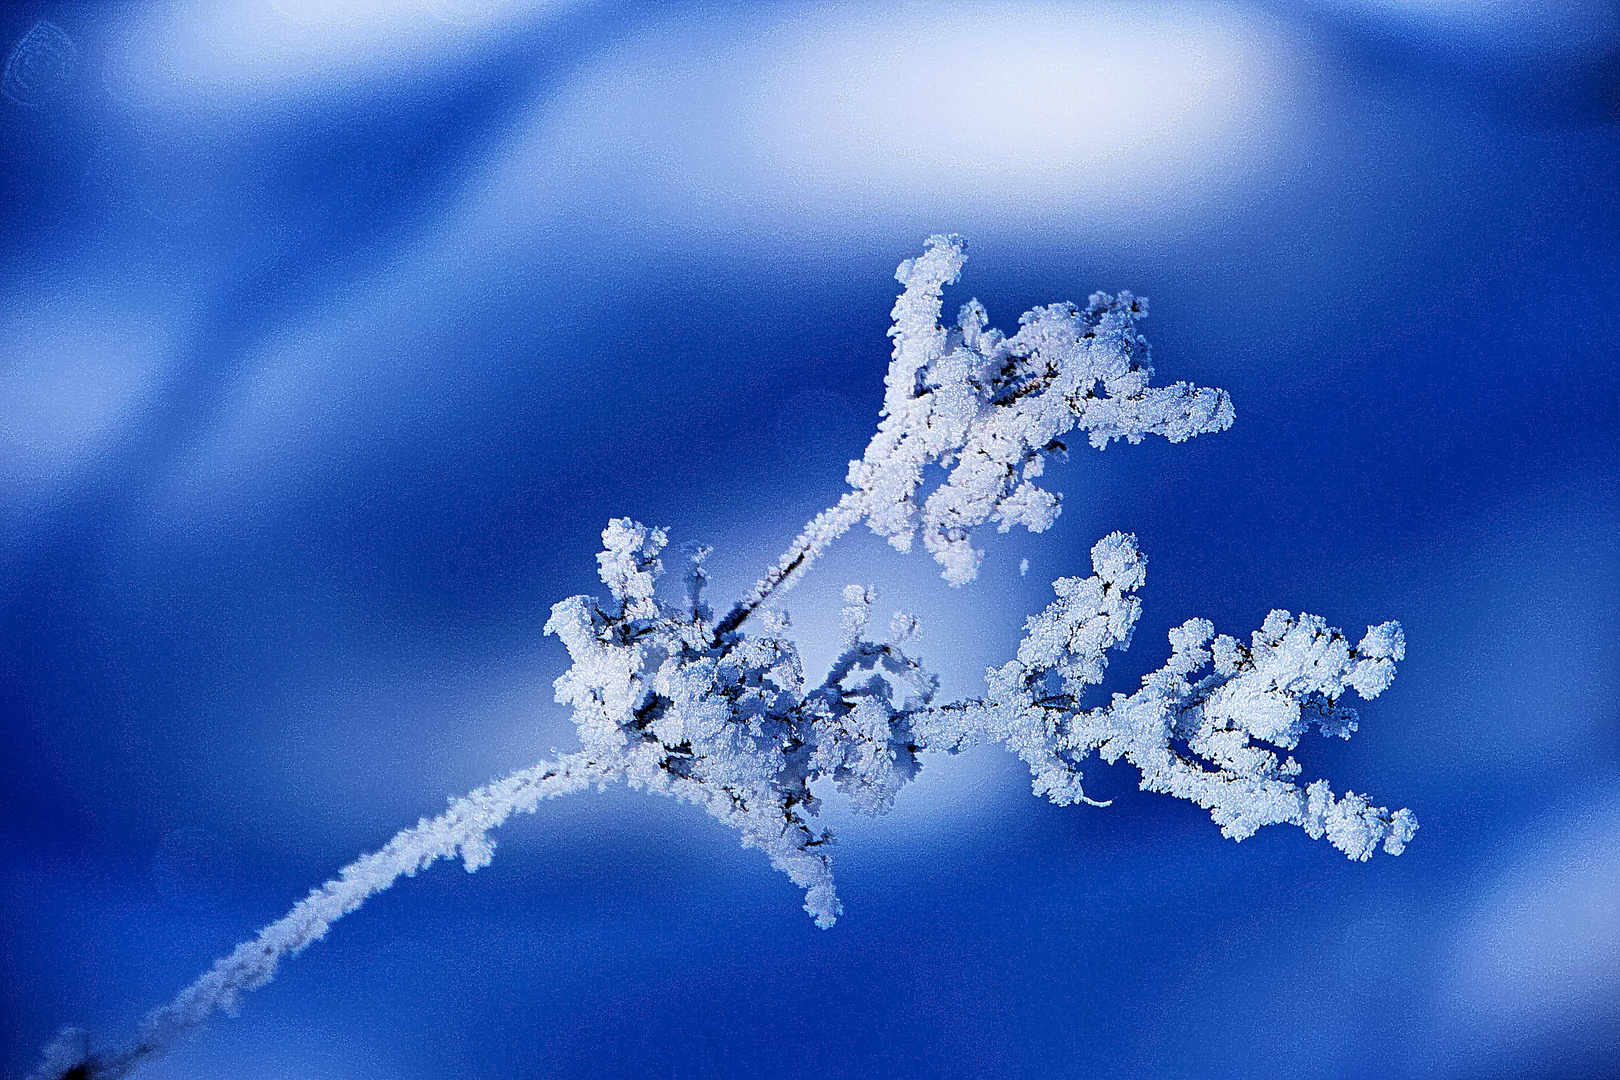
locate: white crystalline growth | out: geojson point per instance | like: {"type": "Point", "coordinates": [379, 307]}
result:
{"type": "Point", "coordinates": [1196, 738]}
{"type": "Point", "coordinates": [673, 700]}
{"type": "Point", "coordinates": [725, 721]}
{"type": "Point", "coordinates": [990, 408]}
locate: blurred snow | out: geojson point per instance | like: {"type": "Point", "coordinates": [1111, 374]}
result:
{"type": "Point", "coordinates": [75, 363]}
{"type": "Point", "coordinates": [235, 53]}
{"type": "Point", "coordinates": [1098, 115]}
{"type": "Point", "coordinates": [1534, 980]}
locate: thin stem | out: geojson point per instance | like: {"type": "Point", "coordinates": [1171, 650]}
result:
{"type": "Point", "coordinates": [820, 532]}
{"type": "Point", "coordinates": [462, 830]}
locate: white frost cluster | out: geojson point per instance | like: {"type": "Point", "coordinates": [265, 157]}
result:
{"type": "Point", "coordinates": [671, 699]}
{"type": "Point", "coordinates": [989, 408]}
{"type": "Point", "coordinates": [726, 721]}
{"type": "Point", "coordinates": [1196, 738]}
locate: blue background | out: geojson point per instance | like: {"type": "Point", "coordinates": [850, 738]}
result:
{"type": "Point", "coordinates": [331, 335]}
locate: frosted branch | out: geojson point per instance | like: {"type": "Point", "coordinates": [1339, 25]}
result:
{"type": "Point", "coordinates": [675, 702]}
{"type": "Point", "coordinates": [990, 409]}
{"type": "Point", "coordinates": [1196, 738]}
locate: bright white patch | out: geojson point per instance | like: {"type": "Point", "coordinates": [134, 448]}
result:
{"type": "Point", "coordinates": [171, 51]}
{"type": "Point", "coordinates": [73, 367]}
{"type": "Point", "coordinates": [1095, 111]}
{"type": "Point", "coordinates": [1538, 962]}
{"type": "Point", "coordinates": [1049, 102]}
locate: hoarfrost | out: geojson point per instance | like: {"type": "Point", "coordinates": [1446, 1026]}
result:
{"type": "Point", "coordinates": [672, 700]}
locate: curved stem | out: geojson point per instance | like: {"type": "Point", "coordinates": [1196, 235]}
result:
{"type": "Point", "coordinates": [462, 830]}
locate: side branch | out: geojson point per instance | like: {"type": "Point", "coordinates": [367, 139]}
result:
{"type": "Point", "coordinates": [989, 410]}
{"type": "Point", "coordinates": [1206, 727]}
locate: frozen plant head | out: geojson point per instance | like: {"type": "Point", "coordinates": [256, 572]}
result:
{"type": "Point", "coordinates": [718, 711]}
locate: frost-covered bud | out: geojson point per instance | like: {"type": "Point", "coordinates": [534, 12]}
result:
{"type": "Point", "coordinates": [1377, 653]}
{"type": "Point", "coordinates": [1091, 615]}
{"type": "Point", "coordinates": [630, 566]}
{"type": "Point", "coordinates": [971, 319]}
{"type": "Point", "coordinates": [902, 628]}
{"type": "Point", "coordinates": [1353, 825]}
{"type": "Point", "coordinates": [1228, 655]}
{"type": "Point", "coordinates": [855, 615]}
